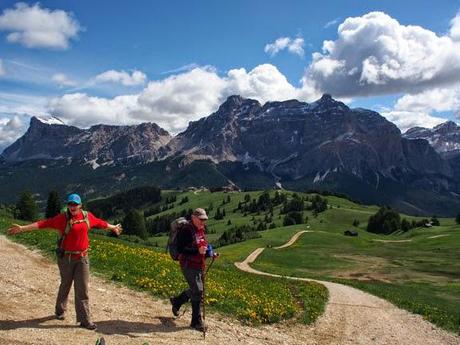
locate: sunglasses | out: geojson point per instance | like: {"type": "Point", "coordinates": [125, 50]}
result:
{"type": "Point", "coordinates": [72, 204]}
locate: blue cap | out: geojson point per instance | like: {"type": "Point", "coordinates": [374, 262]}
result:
{"type": "Point", "coordinates": [75, 198]}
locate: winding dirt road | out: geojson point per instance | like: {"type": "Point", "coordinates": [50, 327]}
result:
{"type": "Point", "coordinates": [356, 317]}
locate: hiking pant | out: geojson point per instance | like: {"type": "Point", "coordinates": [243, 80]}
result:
{"type": "Point", "coordinates": [76, 271]}
{"type": "Point", "coordinates": [194, 278]}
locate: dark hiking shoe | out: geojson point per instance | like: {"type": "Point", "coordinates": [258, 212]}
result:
{"type": "Point", "coordinates": [199, 326]}
{"type": "Point", "coordinates": [91, 326]}
{"type": "Point", "coordinates": [60, 317]}
{"type": "Point", "coordinates": [175, 306]}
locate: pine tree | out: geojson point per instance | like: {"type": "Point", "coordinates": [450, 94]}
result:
{"type": "Point", "coordinates": [53, 206]}
{"type": "Point", "coordinates": [435, 221]}
{"type": "Point", "coordinates": [134, 224]}
{"type": "Point", "coordinates": [26, 207]}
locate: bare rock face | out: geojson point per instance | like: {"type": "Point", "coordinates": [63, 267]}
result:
{"type": "Point", "coordinates": [99, 144]}
{"type": "Point", "coordinates": [320, 145]}
{"type": "Point", "coordinates": [445, 138]}
{"type": "Point", "coordinates": [295, 139]}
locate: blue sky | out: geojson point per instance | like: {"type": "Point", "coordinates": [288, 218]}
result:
{"type": "Point", "coordinates": [170, 62]}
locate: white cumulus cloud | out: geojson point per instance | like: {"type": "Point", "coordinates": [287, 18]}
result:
{"type": "Point", "coordinates": [37, 27]}
{"type": "Point", "coordinates": [455, 28]}
{"type": "Point", "coordinates": [10, 130]}
{"type": "Point", "coordinates": [375, 54]}
{"type": "Point", "coordinates": [425, 109]}
{"type": "Point", "coordinates": [294, 46]}
{"type": "Point", "coordinates": [121, 77]}
{"type": "Point", "coordinates": [82, 110]}
{"type": "Point", "coordinates": [174, 101]}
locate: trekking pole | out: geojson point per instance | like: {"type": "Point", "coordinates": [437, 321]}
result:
{"type": "Point", "coordinates": [203, 303]}
{"type": "Point", "coordinates": [212, 261]}
{"type": "Point", "coordinates": [205, 272]}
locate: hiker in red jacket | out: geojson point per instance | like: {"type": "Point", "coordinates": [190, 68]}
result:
{"type": "Point", "coordinates": [72, 252]}
{"type": "Point", "coordinates": [192, 246]}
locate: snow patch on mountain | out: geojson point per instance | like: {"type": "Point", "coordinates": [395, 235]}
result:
{"type": "Point", "coordinates": [50, 120]}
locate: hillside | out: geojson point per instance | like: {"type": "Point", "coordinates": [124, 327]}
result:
{"type": "Point", "coordinates": [393, 267]}
{"type": "Point", "coordinates": [427, 263]}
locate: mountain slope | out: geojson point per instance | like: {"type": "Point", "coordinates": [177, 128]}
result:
{"type": "Point", "coordinates": [324, 145]}
{"type": "Point", "coordinates": [99, 144]}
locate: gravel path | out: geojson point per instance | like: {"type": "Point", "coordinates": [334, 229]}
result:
{"type": "Point", "coordinates": [356, 317]}
{"type": "Point", "coordinates": [28, 286]}
{"type": "Point", "coordinates": [293, 239]}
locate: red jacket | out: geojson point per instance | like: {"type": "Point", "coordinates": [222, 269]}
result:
{"type": "Point", "coordinates": [77, 239]}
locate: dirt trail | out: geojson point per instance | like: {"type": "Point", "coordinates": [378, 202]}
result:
{"type": "Point", "coordinates": [28, 285]}
{"type": "Point", "coordinates": [293, 239]}
{"type": "Point", "coordinates": [355, 317]}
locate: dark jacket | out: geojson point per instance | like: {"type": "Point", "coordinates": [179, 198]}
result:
{"type": "Point", "coordinates": [187, 246]}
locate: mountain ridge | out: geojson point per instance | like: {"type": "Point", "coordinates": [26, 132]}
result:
{"type": "Point", "coordinates": [323, 145]}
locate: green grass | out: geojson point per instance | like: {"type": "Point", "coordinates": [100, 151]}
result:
{"type": "Point", "coordinates": [422, 276]}
{"type": "Point", "coordinates": [253, 299]}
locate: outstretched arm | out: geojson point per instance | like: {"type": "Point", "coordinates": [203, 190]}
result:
{"type": "Point", "coordinates": [117, 229]}
{"type": "Point", "coordinates": [102, 224]}
{"type": "Point", "coordinates": [18, 229]}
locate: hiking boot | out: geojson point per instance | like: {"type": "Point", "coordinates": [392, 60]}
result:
{"type": "Point", "coordinates": [177, 302]}
{"type": "Point", "coordinates": [175, 306]}
{"type": "Point", "coordinates": [60, 317]}
{"type": "Point", "coordinates": [197, 323]}
{"type": "Point", "coordinates": [90, 326]}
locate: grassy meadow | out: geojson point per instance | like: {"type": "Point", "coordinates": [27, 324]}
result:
{"type": "Point", "coordinates": [252, 299]}
{"type": "Point", "coordinates": [418, 270]}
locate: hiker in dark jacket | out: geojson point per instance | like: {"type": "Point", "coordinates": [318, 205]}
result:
{"type": "Point", "coordinates": [72, 254]}
{"type": "Point", "coordinates": [192, 246]}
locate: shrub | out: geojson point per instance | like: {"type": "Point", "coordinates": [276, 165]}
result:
{"type": "Point", "coordinates": [53, 206]}
{"type": "Point", "coordinates": [134, 224]}
{"type": "Point", "coordinates": [385, 221]}
{"type": "Point", "coordinates": [26, 207]}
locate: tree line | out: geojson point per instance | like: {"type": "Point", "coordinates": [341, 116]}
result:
{"type": "Point", "coordinates": [387, 221]}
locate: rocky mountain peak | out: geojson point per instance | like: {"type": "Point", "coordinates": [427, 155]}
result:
{"type": "Point", "coordinates": [444, 138]}
{"type": "Point", "coordinates": [327, 103]}
{"type": "Point", "coordinates": [446, 127]}
{"type": "Point", "coordinates": [233, 101]}
{"type": "Point", "coordinates": [49, 120]}
{"type": "Point", "coordinates": [50, 138]}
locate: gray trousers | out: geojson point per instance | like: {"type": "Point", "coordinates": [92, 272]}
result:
{"type": "Point", "coordinates": [74, 271]}
{"type": "Point", "coordinates": [194, 278]}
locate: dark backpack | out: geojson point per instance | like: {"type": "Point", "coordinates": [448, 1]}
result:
{"type": "Point", "coordinates": [171, 247]}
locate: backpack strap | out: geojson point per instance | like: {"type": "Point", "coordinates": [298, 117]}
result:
{"type": "Point", "coordinates": [86, 219]}
{"type": "Point", "coordinates": [68, 225]}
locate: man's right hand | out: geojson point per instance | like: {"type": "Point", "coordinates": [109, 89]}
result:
{"type": "Point", "coordinates": [14, 229]}
{"type": "Point", "coordinates": [202, 250]}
